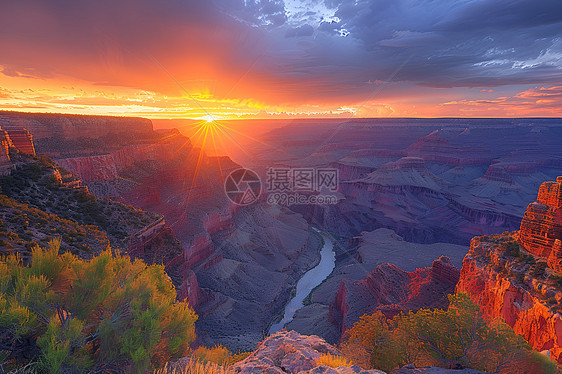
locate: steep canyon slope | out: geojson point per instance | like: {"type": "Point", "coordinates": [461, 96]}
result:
{"type": "Point", "coordinates": [230, 262]}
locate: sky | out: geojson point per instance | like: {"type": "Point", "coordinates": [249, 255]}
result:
{"type": "Point", "coordinates": [228, 59]}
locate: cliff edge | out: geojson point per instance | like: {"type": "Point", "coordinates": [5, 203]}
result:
{"type": "Point", "coordinates": [516, 276]}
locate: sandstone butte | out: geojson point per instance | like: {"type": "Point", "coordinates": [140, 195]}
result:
{"type": "Point", "coordinates": [517, 276]}
{"type": "Point", "coordinates": [21, 139]}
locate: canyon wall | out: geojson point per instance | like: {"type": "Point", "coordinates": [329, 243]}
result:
{"type": "Point", "coordinates": [67, 126]}
{"type": "Point", "coordinates": [515, 275]}
{"type": "Point", "coordinates": [106, 167]}
{"type": "Point", "coordinates": [503, 287]}
{"type": "Point", "coordinates": [541, 226]}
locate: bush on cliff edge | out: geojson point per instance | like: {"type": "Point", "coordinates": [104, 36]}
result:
{"type": "Point", "coordinates": [453, 338]}
{"type": "Point", "coordinates": [65, 313]}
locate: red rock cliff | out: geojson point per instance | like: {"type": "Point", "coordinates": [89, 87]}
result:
{"type": "Point", "coordinates": [513, 288]}
{"type": "Point", "coordinates": [542, 224]}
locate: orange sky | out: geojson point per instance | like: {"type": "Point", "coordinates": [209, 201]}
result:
{"type": "Point", "coordinates": [273, 60]}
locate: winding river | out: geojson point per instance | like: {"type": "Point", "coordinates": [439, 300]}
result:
{"type": "Point", "coordinates": [309, 280]}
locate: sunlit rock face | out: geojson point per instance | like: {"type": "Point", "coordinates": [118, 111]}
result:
{"type": "Point", "coordinates": [5, 143]}
{"type": "Point", "coordinates": [541, 227]}
{"type": "Point", "coordinates": [507, 287]}
{"type": "Point", "coordinates": [22, 141]}
{"type": "Point", "coordinates": [519, 285]}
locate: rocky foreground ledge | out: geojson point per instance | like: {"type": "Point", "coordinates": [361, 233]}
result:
{"type": "Point", "coordinates": [290, 352]}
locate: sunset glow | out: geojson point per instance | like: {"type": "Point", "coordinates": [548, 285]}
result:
{"type": "Point", "coordinates": [282, 59]}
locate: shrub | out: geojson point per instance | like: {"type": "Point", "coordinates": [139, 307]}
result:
{"type": "Point", "coordinates": [217, 354]}
{"type": "Point", "coordinates": [73, 313]}
{"type": "Point", "coordinates": [538, 269]}
{"type": "Point", "coordinates": [511, 247]}
{"type": "Point", "coordinates": [238, 357]}
{"type": "Point", "coordinates": [195, 367]}
{"type": "Point", "coordinates": [332, 361]}
{"type": "Point", "coordinates": [457, 337]}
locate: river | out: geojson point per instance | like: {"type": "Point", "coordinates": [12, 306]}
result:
{"type": "Point", "coordinates": [309, 280]}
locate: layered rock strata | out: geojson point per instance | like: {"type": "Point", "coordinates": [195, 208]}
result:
{"type": "Point", "coordinates": [516, 286]}
{"type": "Point", "coordinates": [541, 227]}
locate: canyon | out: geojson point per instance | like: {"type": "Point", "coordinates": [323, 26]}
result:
{"type": "Point", "coordinates": [231, 263]}
{"type": "Point", "coordinates": [412, 175]}
{"type": "Point", "coordinates": [411, 194]}
{"type": "Point", "coordinates": [384, 272]}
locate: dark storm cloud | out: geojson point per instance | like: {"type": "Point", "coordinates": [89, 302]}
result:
{"type": "Point", "coordinates": [463, 43]}
{"type": "Point", "coordinates": [435, 43]}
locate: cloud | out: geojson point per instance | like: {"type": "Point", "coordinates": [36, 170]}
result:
{"type": "Point", "coordinates": [304, 30]}
{"type": "Point", "coordinates": [535, 101]}
{"type": "Point", "coordinates": [286, 52]}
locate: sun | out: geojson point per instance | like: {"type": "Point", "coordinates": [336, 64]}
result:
{"type": "Point", "coordinates": [209, 118]}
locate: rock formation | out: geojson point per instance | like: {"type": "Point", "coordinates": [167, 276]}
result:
{"type": "Point", "coordinates": [481, 173]}
{"type": "Point", "coordinates": [5, 143]}
{"type": "Point", "coordinates": [391, 290]}
{"type": "Point", "coordinates": [108, 166]}
{"type": "Point", "coordinates": [22, 141]}
{"type": "Point", "coordinates": [290, 352]}
{"type": "Point", "coordinates": [520, 284]}
{"type": "Point", "coordinates": [518, 289]}
{"type": "Point", "coordinates": [541, 226]}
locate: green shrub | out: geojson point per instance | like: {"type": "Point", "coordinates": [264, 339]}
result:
{"type": "Point", "coordinates": [80, 312]}
{"type": "Point", "coordinates": [457, 337]}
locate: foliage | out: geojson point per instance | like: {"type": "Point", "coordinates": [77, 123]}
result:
{"type": "Point", "coordinates": [67, 313]}
{"type": "Point", "coordinates": [332, 361]}
{"type": "Point", "coordinates": [457, 337]}
{"type": "Point", "coordinates": [34, 184]}
{"type": "Point", "coordinates": [19, 218]}
{"type": "Point", "coordinates": [195, 367]}
{"type": "Point", "coordinates": [217, 354]}
{"type": "Point", "coordinates": [538, 269]}
{"type": "Point", "coordinates": [238, 357]}
{"type": "Point", "coordinates": [511, 247]}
